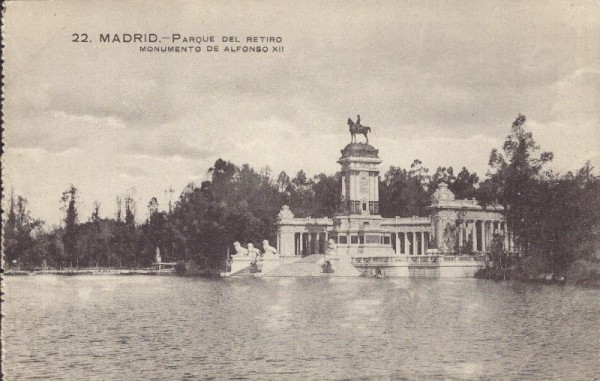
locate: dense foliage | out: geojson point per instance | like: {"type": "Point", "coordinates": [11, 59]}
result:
{"type": "Point", "coordinates": [554, 219]}
{"type": "Point", "coordinates": [237, 204]}
{"type": "Point", "coordinates": [407, 192]}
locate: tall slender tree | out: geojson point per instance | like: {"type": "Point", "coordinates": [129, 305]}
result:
{"type": "Point", "coordinates": [70, 198]}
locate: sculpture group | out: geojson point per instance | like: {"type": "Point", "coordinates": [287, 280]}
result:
{"type": "Point", "coordinates": [254, 253]}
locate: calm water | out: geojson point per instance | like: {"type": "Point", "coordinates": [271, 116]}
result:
{"type": "Point", "coordinates": [128, 327]}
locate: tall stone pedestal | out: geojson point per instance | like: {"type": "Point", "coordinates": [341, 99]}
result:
{"type": "Point", "coordinates": [357, 230]}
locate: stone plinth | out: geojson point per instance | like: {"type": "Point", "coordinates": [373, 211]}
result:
{"type": "Point", "coordinates": [238, 263]}
{"type": "Point", "coordinates": [360, 150]}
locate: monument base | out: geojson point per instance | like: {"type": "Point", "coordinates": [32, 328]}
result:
{"type": "Point", "coordinates": [239, 263]}
{"type": "Point", "coordinates": [342, 266]}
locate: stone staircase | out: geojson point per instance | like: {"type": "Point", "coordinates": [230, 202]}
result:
{"type": "Point", "coordinates": [307, 266]}
{"type": "Point", "coordinates": [244, 272]}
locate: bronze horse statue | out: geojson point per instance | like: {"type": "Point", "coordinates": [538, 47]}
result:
{"type": "Point", "coordinates": [357, 128]}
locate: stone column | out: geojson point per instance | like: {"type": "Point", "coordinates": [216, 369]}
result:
{"type": "Point", "coordinates": [439, 233]}
{"type": "Point", "coordinates": [288, 243]}
{"type": "Point", "coordinates": [284, 242]}
{"type": "Point", "coordinates": [474, 234]}
{"type": "Point", "coordinates": [398, 243]}
{"type": "Point", "coordinates": [416, 244]}
{"type": "Point", "coordinates": [279, 241]}
{"type": "Point", "coordinates": [354, 186]}
{"type": "Point", "coordinates": [372, 187]}
{"type": "Point", "coordinates": [376, 186]}
{"type": "Point", "coordinates": [460, 234]}
{"type": "Point", "coordinates": [403, 247]}
{"type": "Point", "coordinates": [505, 234]}
{"type": "Point", "coordinates": [423, 242]}
{"type": "Point", "coordinates": [483, 236]}
{"type": "Point", "coordinates": [350, 183]}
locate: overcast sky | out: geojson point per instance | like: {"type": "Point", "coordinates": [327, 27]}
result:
{"type": "Point", "coordinates": [438, 81]}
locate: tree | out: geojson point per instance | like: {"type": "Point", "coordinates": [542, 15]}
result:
{"type": "Point", "coordinates": [20, 233]}
{"type": "Point", "coordinates": [283, 182]}
{"type": "Point", "coordinates": [327, 194]}
{"type": "Point", "coordinates": [69, 199]}
{"type": "Point", "coordinates": [554, 218]}
{"type": "Point", "coordinates": [302, 195]}
{"type": "Point", "coordinates": [405, 193]}
{"type": "Point", "coordinates": [512, 180]}
{"type": "Point", "coordinates": [442, 174]}
{"type": "Point", "coordinates": [129, 233]}
{"type": "Point", "coordinates": [464, 184]}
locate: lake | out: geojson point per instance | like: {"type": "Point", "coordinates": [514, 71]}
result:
{"type": "Point", "coordinates": [168, 327]}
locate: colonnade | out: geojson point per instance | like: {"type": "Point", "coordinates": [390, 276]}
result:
{"type": "Point", "coordinates": [310, 243]}
{"type": "Point", "coordinates": [481, 233]}
{"type": "Point", "coordinates": [411, 243]}
{"type": "Point", "coordinates": [478, 234]}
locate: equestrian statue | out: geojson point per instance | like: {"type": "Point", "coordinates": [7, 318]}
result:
{"type": "Point", "coordinates": [357, 128]}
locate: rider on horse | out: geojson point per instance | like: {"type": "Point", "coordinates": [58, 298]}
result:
{"type": "Point", "coordinates": [357, 128]}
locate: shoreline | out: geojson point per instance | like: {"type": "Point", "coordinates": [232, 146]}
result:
{"type": "Point", "coordinates": [72, 272]}
{"type": "Point", "coordinates": [595, 284]}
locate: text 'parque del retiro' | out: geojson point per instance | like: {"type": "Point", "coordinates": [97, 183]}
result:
{"type": "Point", "coordinates": [185, 39]}
{"type": "Point", "coordinates": [358, 241]}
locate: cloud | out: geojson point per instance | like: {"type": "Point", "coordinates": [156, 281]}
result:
{"type": "Point", "coordinates": [166, 146]}
{"type": "Point", "coordinates": [441, 82]}
{"type": "Point", "coordinates": [134, 171]}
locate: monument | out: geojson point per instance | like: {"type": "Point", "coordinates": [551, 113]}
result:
{"type": "Point", "coordinates": [357, 240]}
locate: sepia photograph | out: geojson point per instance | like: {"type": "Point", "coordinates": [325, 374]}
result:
{"type": "Point", "coordinates": [300, 190]}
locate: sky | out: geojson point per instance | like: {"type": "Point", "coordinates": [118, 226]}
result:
{"type": "Point", "coordinates": [438, 81]}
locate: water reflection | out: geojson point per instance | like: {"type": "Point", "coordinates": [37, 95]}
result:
{"type": "Point", "coordinates": [297, 328]}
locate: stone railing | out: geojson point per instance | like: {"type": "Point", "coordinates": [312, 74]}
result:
{"type": "Point", "coordinates": [463, 258]}
{"type": "Point", "coordinates": [415, 260]}
{"type": "Point", "coordinates": [376, 261]}
{"type": "Point", "coordinates": [424, 259]}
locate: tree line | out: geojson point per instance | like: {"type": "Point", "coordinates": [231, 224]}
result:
{"type": "Point", "coordinates": [555, 218]}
